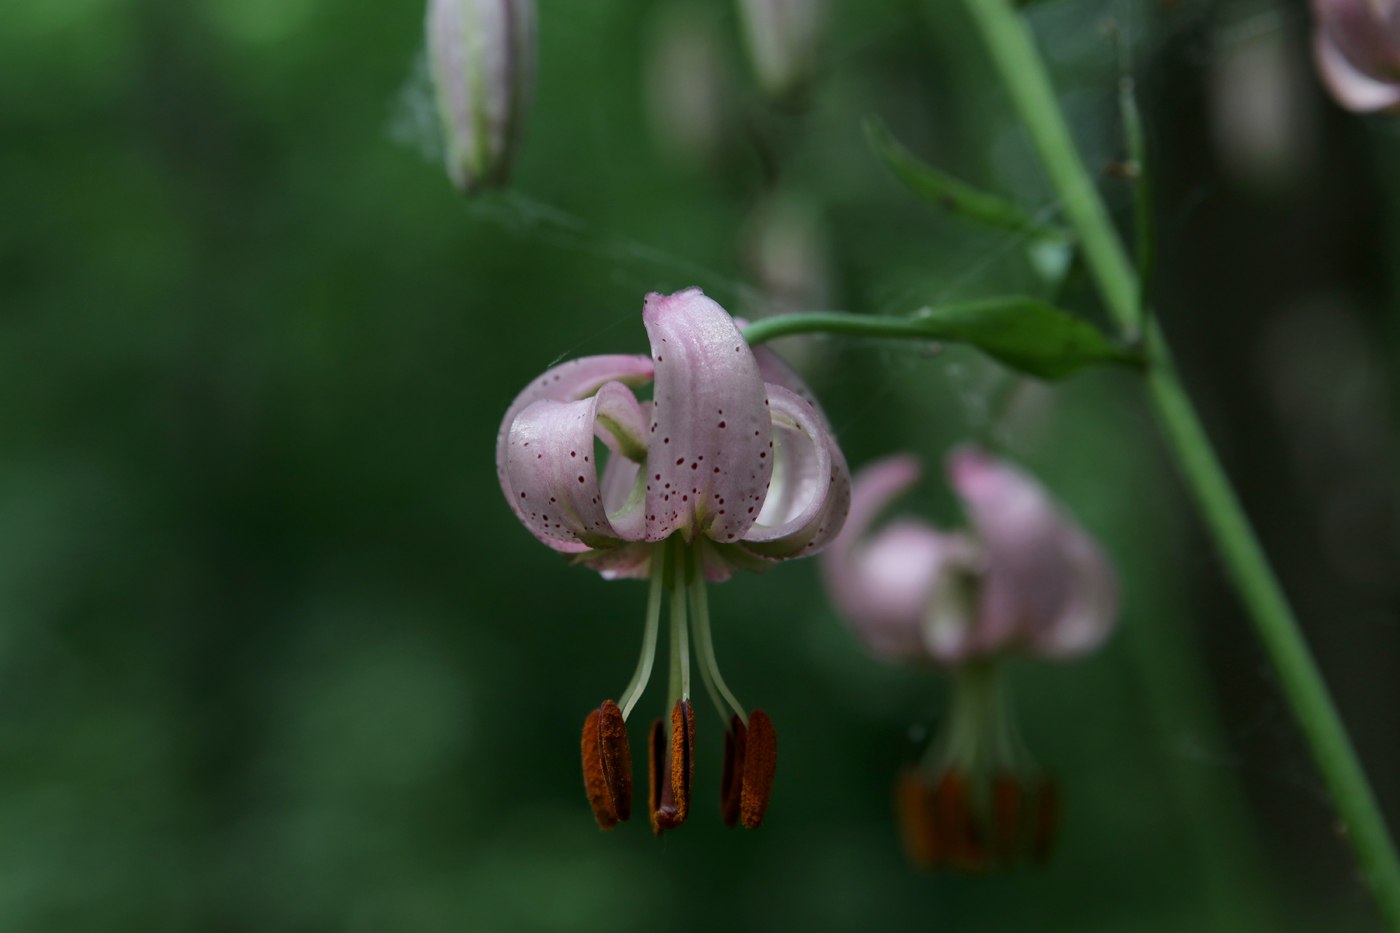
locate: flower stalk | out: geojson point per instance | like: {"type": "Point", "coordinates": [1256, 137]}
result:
{"type": "Point", "coordinates": [1019, 62]}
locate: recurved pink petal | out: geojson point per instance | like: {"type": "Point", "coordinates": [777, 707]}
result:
{"type": "Point", "coordinates": [810, 493]}
{"type": "Point", "coordinates": [1365, 32]}
{"type": "Point", "coordinates": [883, 585]}
{"type": "Point", "coordinates": [630, 560]}
{"type": "Point", "coordinates": [776, 371]}
{"type": "Point", "coordinates": [549, 464]}
{"type": "Point", "coordinates": [1352, 88]}
{"type": "Point", "coordinates": [1045, 584]}
{"type": "Point", "coordinates": [1092, 607]}
{"type": "Point", "coordinates": [874, 488]}
{"type": "Point", "coordinates": [567, 382]}
{"type": "Point", "coordinates": [624, 492]}
{"type": "Point", "coordinates": [888, 587]}
{"type": "Point", "coordinates": [709, 457]}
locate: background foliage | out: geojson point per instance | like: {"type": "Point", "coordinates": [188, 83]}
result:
{"type": "Point", "coordinates": [274, 655]}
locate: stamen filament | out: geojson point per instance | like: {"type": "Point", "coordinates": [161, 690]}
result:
{"type": "Point", "coordinates": [705, 647]}
{"type": "Point", "coordinates": [705, 674]}
{"type": "Point", "coordinates": [680, 636]}
{"type": "Point", "coordinates": [644, 663]}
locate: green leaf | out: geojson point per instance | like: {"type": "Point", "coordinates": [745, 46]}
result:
{"type": "Point", "coordinates": [942, 189]}
{"type": "Point", "coordinates": [1025, 334]}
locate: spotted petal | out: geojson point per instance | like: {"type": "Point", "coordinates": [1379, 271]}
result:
{"type": "Point", "coordinates": [549, 464]}
{"type": "Point", "coordinates": [709, 444]}
{"type": "Point", "coordinates": [1046, 584]}
{"type": "Point", "coordinates": [567, 382]}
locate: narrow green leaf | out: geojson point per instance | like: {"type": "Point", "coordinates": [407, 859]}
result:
{"type": "Point", "coordinates": [1024, 333]}
{"type": "Point", "coordinates": [942, 189]}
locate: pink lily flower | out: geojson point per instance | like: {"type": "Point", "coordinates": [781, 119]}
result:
{"type": "Point", "coordinates": [730, 466]}
{"type": "Point", "coordinates": [1357, 46]}
{"type": "Point", "coordinates": [1025, 580]}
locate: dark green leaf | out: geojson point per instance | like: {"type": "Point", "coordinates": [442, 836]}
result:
{"type": "Point", "coordinates": [1025, 334]}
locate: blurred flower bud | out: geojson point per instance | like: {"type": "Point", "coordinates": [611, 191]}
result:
{"type": "Point", "coordinates": [1261, 110]}
{"type": "Point", "coordinates": [785, 249]}
{"type": "Point", "coordinates": [1357, 44]}
{"type": "Point", "coordinates": [685, 84]}
{"type": "Point", "coordinates": [482, 54]}
{"type": "Point", "coordinates": [782, 40]}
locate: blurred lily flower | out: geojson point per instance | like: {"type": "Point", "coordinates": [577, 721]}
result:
{"type": "Point", "coordinates": [730, 466]}
{"type": "Point", "coordinates": [1357, 44]}
{"type": "Point", "coordinates": [482, 55]}
{"type": "Point", "coordinates": [782, 38]}
{"type": "Point", "coordinates": [1261, 105]}
{"type": "Point", "coordinates": [1026, 580]}
{"type": "Point", "coordinates": [686, 84]}
{"type": "Point", "coordinates": [785, 249]}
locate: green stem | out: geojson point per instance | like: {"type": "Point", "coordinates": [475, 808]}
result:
{"type": "Point", "coordinates": [1297, 672]}
{"type": "Point", "coordinates": [1020, 64]}
{"type": "Point", "coordinates": [1015, 55]}
{"type": "Point", "coordinates": [846, 324]}
{"type": "Point", "coordinates": [1136, 140]}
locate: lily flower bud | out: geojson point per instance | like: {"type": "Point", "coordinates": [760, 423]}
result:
{"type": "Point", "coordinates": [782, 38]}
{"type": "Point", "coordinates": [482, 54]}
{"type": "Point", "coordinates": [1357, 44]}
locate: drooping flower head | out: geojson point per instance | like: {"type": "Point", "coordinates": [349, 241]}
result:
{"type": "Point", "coordinates": [1026, 579]}
{"type": "Point", "coordinates": [729, 466]}
{"type": "Point", "coordinates": [1357, 45]}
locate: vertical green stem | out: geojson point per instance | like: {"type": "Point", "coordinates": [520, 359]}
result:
{"type": "Point", "coordinates": [1297, 672]}
{"type": "Point", "coordinates": [1016, 57]}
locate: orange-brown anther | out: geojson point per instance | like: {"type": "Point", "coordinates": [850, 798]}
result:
{"type": "Point", "coordinates": [672, 759]}
{"type": "Point", "coordinates": [616, 756]}
{"type": "Point", "coordinates": [918, 819]}
{"type": "Point", "coordinates": [1006, 820]}
{"type": "Point", "coordinates": [732, 782]}
{"type": "Point", "coordinates": [959, 823]}
{"type": "Point", "coordinates": [760, 765]}
{"type": "Point", "coordinates": [682, 757]}
{"type": "Point", "coordinates": [660, 800]}
{"type": "Point", "coordinates": [1046, 821]}
{"type": "Point", "coordinates": [595, 781]}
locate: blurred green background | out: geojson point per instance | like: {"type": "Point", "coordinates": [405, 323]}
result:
{"type": "Point", "coordinates": [275, 656]}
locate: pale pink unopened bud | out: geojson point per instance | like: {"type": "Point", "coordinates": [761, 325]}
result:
{"type": "Point", "coordinates": [483, 62]}
{"type": "Point", "coordinates": [783, 36]}
{"type": "Point", "coordinates": [1357, 43]}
